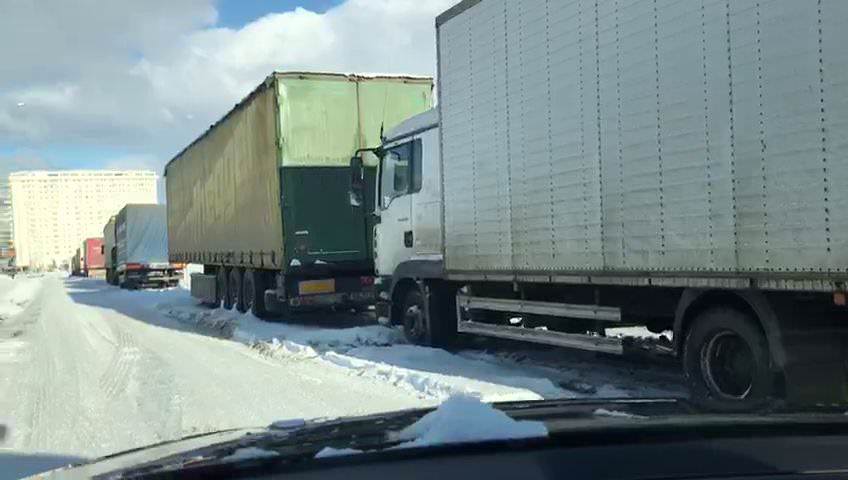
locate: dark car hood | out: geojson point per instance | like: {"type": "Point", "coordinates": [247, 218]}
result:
{"type": "Point", "coordinates": [299, 441]}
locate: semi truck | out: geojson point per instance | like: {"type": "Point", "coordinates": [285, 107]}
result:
{"type": "Point", "coordinates": [261, 199]}
{"type": "Point", "coordinates": [593, 165]}
{"type": "Point", "coordinates": [110, 252]}
{"type": "Point", "coordinates": [141, 248]}
{"type": "Point", "coordinates": [92, 261]}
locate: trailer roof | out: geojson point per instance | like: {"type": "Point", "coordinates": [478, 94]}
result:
{"type": "Point", "coordinates": [455, 10]}
{"type": "Point", "coordinates": [299, 75]}
{"type": "Point", "coordinates": [413, 125]}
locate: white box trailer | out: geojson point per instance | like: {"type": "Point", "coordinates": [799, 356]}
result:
{"type": "Point", "coordinates": [141, 233]}
{"type": "Point", "coordinates": [676, 165]}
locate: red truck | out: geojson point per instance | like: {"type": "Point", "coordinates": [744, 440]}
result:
{"type": "Point", "coordinates": [94, 264]}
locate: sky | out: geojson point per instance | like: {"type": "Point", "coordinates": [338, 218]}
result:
{"type": "Point", "coordinates": [128, 83]}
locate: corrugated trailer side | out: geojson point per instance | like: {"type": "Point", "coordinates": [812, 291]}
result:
{"type": "Point", "coordinates": [671, 165]}
{"type": "Point", "coordinates": [634, 140]}
{"type": "Point", "coordinates": [223, 190]}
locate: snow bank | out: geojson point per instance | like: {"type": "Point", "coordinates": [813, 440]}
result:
{"type": "Point", "coordinates": [250, 329]}
{"type": "Point", "coordinates": [465, 419]}
{"type": "Point", "coordinates": [437, 374]}
{"type": "Point", "coordinates": [380, 353]}
{"type": "Point", "coordinates": [15, 294]}
{"type": "Point", "coordinates": [376, 352]}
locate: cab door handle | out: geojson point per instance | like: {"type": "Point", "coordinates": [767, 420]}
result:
{"type": "Point", "coordinates": [407, 239]}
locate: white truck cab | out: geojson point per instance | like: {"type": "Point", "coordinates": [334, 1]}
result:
{"type": "Point", "coordinates": [408, 234]}
{"type": "Point", "coordinates": [409, 195]}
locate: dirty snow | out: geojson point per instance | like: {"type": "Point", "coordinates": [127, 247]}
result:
{"type": "Point", "coordinates": [461, 419]}
{"type": "Point", "coordinates": [96, 370]}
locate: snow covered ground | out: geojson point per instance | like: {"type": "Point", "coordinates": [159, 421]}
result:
{"type": "Point", "coordinates": [87, 369]}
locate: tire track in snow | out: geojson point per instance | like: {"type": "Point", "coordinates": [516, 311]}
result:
{"type": "Point", "coordinates": [115, 380]}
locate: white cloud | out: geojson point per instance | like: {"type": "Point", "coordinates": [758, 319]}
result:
{"type": "Point", "coordinates": [149, 76]}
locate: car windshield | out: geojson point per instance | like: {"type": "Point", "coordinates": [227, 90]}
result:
{"type": "Point", "coordinates": [555, 200]}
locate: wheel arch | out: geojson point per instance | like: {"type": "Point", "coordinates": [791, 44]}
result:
{"type": "Point", "coordinates": [694, 301]}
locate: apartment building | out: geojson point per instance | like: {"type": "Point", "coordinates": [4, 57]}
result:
{"type": "Point", "coordinates": [6, 249]}
{"type": "Point", "coordinates": [53, 212]}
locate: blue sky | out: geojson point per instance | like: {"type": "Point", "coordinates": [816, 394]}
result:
{"type": "Point", "coordinates": [237, 13]}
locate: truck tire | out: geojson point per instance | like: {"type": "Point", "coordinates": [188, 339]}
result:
{"type": "Point", "coordinates": [221, 289]}
{"type": "Point", "coordinates": [235, 290]}
{"type": "Point", "coordinates": [414, 318]}
{"type": "Point", "coordinates": [726, 362]}
{"type": "Point", "coordinates": [254, 293]}
{"type": "Point", "coordinates": [432, 324]}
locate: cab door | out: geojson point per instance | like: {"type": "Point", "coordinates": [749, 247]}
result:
{"type": "Point", "coordinates": [400, 179]}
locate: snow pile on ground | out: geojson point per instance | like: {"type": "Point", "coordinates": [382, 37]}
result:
{"type": "Point", "coordinates": [376, 352]}
{"type": "Point", "coordinates": [280, 338]}
{"type": "Point", "coordinates": [250, 329]}
{"type": "Point", "coordinates": [464, 419]}
{"type": "Point", "coordinates": [438, 374]}
{"type": "Point", "coordinates": [380, 353]}
{"type": "Point", "coordinates": [15, 294]}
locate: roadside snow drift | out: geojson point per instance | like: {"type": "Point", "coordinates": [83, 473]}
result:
{"type": "Point", "coordinates": [374, 352]}
{"type": "Point", "coordinates": [381, 353]}
{"type": "Point", "coordinates": [16, 294]}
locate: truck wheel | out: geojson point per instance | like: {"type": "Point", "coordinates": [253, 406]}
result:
{"type": "Point", "coordinates": [222, 295]}
{"type": "Point", "coordinates": [726, 361]}
{"type": "Point", "coordinates": [414, 317]}
{"type": "Point", "coordinates": [254, 293]}
{"type": "Point", "coordinates": [235, 290]}
{"type": "Point", "coordinates": [420, 325]}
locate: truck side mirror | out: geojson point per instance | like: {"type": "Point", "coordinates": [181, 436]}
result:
{"type": "Point", "coordinates": [357, 181]}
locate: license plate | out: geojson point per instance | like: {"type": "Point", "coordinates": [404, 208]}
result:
{"type": "Point", "coordinates": [314, 287]}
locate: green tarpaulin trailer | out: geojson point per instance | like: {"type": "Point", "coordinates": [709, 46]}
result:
{"type": "Point", "coordinates": [262, 198]}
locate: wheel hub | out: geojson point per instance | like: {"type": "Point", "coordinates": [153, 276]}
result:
{"type": "Point", "coordinates": [728, 365]}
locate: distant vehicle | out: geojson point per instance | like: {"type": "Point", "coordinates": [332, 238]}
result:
{"type": "Point", "coordinates": [110, 252]}
{"type": "Point", "coordinates": [92, 262]}
{"type": "Point", "coordinates": [261, 199]}
{"type": "Point", "coordinates": [7, 266]}
{"type": "Point", "coordinates": [578, 176]}
{"type": "Point", "coordinates": [142, 248]}
{"type": "Point", "coordinates": [76, 264]}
